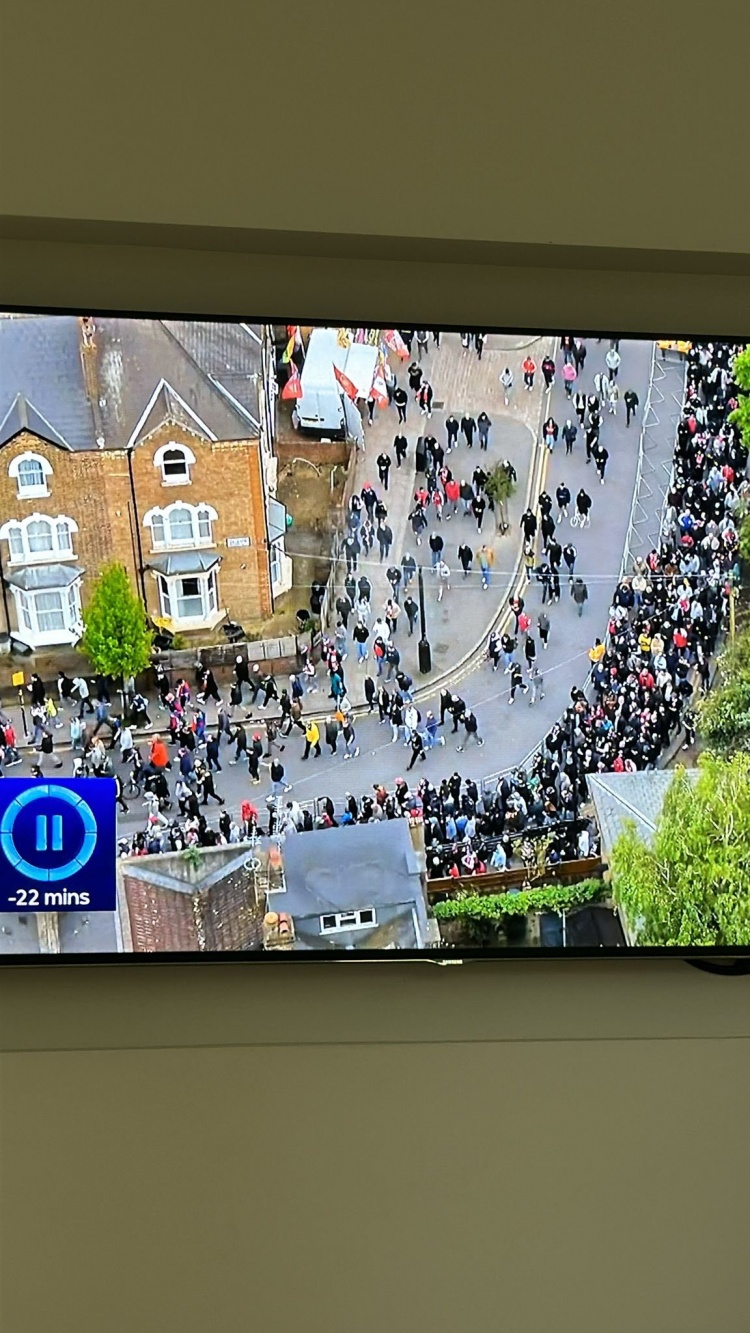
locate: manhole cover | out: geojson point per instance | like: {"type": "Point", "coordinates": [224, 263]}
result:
{"type": "Point", "coordinates": [437, 407]}
{"type": "Point", "coordinates": [441, 648]}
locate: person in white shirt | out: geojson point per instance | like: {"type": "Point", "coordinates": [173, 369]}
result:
{"type": "Point", "coordinates": [444, 576]}
{"type": "Point", "coordinates": [81, 688]}
{"type": "Point", "coordinates": [125, 741]}
{"type": "Point", "coordinates": [613, 360]}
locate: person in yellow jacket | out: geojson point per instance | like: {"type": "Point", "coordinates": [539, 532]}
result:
{"type": "Point", "coordinates": [312, 739]}
{"type": "Point", "coordinates": [596, 653]}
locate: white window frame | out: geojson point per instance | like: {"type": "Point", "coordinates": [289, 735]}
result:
{"type": "Point", "coordinates": [170, 595]}
{"type": "Point", "coordinates": [28, 616]}
{"type": "Point", "coordinates": [18, 528]}
{"type": "Point", "coordinates": [200, 513]}
{"type": "Point", "coordinates": [34, 491]}
{"type": "Point", "coordinates": [160, 462]}
{"type": "Point", "coordinates": [348, 920]}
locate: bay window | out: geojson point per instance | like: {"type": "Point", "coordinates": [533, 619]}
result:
{"type": "Point", "coordinates": [189, 599]}
{"type": "Point", "coordinates": [48, 604]}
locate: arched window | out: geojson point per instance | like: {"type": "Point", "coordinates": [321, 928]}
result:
{"type": "Point", "coordinates": [39, 537]}
{"type": "Point", "coordinates": [204, 522]}
{"type": "Point", "coordinates": [63, 535]}
{"type": "Point", "coordinates": [181, 525]}
{"type": "Point", "coordinates": [175, 461]}
{"type": "Point", "coordinates": [14, 533]}
{"type": "Point", "coordinates": [30, 472]}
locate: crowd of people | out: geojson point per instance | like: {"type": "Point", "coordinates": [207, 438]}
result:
{"type": "Point", "coordinates": [663, 625]}
{"type": "Point", "coordinates": [666, 614]}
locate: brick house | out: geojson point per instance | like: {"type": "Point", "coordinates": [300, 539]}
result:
{"type": "Point", "coordinates": [149, 442]}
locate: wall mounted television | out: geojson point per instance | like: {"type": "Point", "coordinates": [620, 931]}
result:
{"type": "Point", "coordinates": [322, 642]}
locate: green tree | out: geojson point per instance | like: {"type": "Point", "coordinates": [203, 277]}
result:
{"type": "Point", "coordinates": [116, 637]}
{"type": "Point", "coordinates": [691, 884]}
{"type": "Point", "coordinates": [741, 416]}
{"type": "Point", "coordinates": [724, 713]}
{"type": "Point", "coordinates": [499, 487]}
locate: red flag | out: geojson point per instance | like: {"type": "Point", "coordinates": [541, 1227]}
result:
{"type": "Point", "coordinates": [349, 388]}
{"type": "Point", "coordinates": [393, 340]}
{"type": "Point", "coordinates": [293, 386]}
{"type": "Point", "coordinates": [379, 389]}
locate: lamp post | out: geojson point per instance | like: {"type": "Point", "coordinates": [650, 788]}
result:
{"type": "Point", "coordinates": [424, 650]}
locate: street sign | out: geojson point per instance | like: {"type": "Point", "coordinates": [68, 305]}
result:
{"type": "Point", "coordinates": [238, 541]}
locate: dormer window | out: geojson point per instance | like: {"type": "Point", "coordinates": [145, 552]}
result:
{"type": "Point", "coordinates": [30, 472]}
{"type": "Point", "coordinates": [175, 461]}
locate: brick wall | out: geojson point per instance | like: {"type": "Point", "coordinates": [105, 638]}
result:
{"type": "Point", "coordinates": [227, 477]}
{"type": "Point", "coordinates": [93, 488]}
{"type": "Point", "coordinates": [324, 454]}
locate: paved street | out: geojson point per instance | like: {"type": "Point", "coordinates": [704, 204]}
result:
{"type": "Point", "coordinates": [510, 733]}
{"type": "Point", "coordinates": [463, 385]}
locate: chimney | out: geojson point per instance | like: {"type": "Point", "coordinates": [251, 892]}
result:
{"type": "Point", "coordinates": [278, 931]}
{"type": "Point", "coordinates": [90, 374]}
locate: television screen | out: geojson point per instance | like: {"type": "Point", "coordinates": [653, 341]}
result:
{"type": "Point", "coordinates": [332, 641]}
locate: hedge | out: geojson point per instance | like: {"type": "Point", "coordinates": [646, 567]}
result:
{"type": "Point", "coordinates": [494, 906]}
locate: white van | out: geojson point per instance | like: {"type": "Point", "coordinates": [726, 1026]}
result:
{"type": "Point", "coordinates": [324, 408]}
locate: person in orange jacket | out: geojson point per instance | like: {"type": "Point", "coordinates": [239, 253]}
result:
{"type": "Point", "coordinates": [158, 756]}
{"type": "Point", "coordinates": [529, 371]}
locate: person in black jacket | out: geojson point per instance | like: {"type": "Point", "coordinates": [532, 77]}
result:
{"type": "Point", "coordinates": [46, 748]}
{"type": "Point", "coordinates": [332, 734]}
{"type": "Point", "coordinates": [468, 426]}
{"type": "Point", "coordinates": [412, 611]}
{"type": "Point", "coordinates": [582, 515]}
{"type": "Point", "coordinates": [384, 467]}
{"type": "Point", "coordinates": [384, 535]}
{"type": "Point", "coordinates": [417, 750]}
{"type": "Point", "coordinates": [528, 525]}
{"type": "Point", "coordinates": [399, 447]}
{"type": "Point", "coordinates": [401, 398]}
{"type": "Point", "coordinates": [436, 548]}
{"type": "Point", "coordinates": [465, 557]}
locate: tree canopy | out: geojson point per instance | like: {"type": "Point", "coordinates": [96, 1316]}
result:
{"type": "Point", "coordinates": [724, 713]}
{"type": "Point", "coordinates": [116, 637]}
{"type": "Point", "coordinates": [741, 371]}
{"type": "Point", "coordinates": [691, 885]}
{"type": "Point", "coordinates": [499, 486]}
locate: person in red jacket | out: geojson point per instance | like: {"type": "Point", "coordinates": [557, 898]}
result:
{"type": "Point", "coordinates": [452, 496]}
{"type": "Point", "coordinates": [529, 371]}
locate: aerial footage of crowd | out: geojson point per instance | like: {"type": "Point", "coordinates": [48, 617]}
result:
{"type": "Point", "coordinates": [665, 617]}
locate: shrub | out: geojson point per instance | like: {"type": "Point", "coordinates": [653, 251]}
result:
{"type": "Point", "coordinates": [495, 906]}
